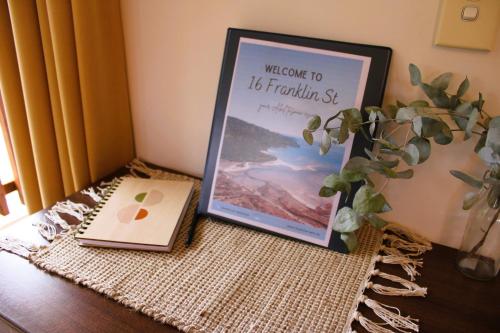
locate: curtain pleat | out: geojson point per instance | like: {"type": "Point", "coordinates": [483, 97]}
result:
{"type": "Point", "coordinates": [104, 86]}
{"type": "Point", "coordinates": [64, 83]}
{"type": "Point", "coordinates": [25, 28]}
{"type": "Point", "coordinates": [17, 120]}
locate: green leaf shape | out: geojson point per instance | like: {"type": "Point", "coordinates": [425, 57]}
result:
{"type": "Point", "coordinates": [493, 136]}
{"type": "Point", "coordinates": [326, 192]}
{"type": "Point", "coordinates": [406, 174]}
{"type": "Point", "coordinates": [442, 81]}
{"type": "Point", "coordinates": [387, 144]}
{"type": "Point", "coordinates": [366, 200]}
{"type": "Point", "coordinates": [350, 240]}
{"type": "Point", "coordinates": [326, 143]}
{"type": "Point", "coordinates": [437, 96]}
{"type": "Point", "coordinates": [415, 75]}
{"type": "Point", "coordinates": [390, 111]}
{"type": "Point", "coordinates": [347, 220]}
{"type": "Point", "coordinates": [424, 148]}
{"type": "Point", "coordinates": [308, 137]}
{"type": "Point", "coordinates": [411, 156]}
{"type": "Point", "coordinates": [352, 175]}
{"type": "Point", "coordinates": [470, 199]}
{"type": "Point", "coordinates": [467, 179]}
{"type": "Point", "coordinates": [405, 114]}
{"type": "Point", "coordinates": [479, 103]}
{"type": "Point", "coordinates": [376, 221]}
{"type": "Point", "coordinates": [359, 164]}
{"type": "Point", "coordinates": [473, 118]}
{"type": "Point", "coordinates": [480, 143]}
{"type": "Point", "coordinates": [337, 183]}
{"type": "Point", "coordinates": [462, 89]}
{"type": "Point", "coordinates": [431, 126]}
{"type": "Point", "coordinates": [420, 103]}
{"type": "Point", "coordinates": [370, 109]}
{"type": "Point", "coordinates": [400, 104]}
{"type": "Point", "coordinates": [344, 131]}
{"type": "Point", "coordinates": [314, 123]}
{"type": "Point", "coordinates": [140, 197]}
{"type": "Point", "coordinates": [353, 118]}
{"type": "Point", "coordinates": [462, 112]}
{"type": "Point", "coordinates": [488, 155]}
{"type": "Point", "coordinates": [372, 118]}
{"type": "Point", "coordinates": [370, 154]}
{"type": "Point", "coordinates": [445, 136]}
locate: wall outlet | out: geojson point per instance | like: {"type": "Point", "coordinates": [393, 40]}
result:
{"type": "Point", "coordinates": [470, 24]}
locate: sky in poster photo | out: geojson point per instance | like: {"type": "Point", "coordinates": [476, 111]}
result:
{"type": "Point", "coordinates": [266, 175]}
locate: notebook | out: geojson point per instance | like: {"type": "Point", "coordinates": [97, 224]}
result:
{"type": "Point", "coordinates": [138, 213]}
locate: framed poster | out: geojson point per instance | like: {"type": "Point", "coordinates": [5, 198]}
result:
{"type": "Point", "coordinates": [260, 172]}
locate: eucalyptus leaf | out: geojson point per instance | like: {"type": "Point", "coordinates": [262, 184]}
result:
{"type": "Point", "coordinates": [488, 155]}
{"type": "Point", "coordinates": [473, 117]}
{"type": "Point", "coordinates": [371, 109]}
{"type": "Point", "coordinates": [493, 136]}
{"type": "Point", "coordinates": [350, 240]}
{"type": "Point", "coordinates": [326, 143]}
{"type": "Point", "coordinates": [420, 103]}
{"type": "Point", "coordinates": [344, 131]}
{"type": "Point", "coordinates": [424, 148]}
{"type": "Point", "coordinates": [442, 81]}
{"type": "Point", "coordinates": [372, 118]}
{"type": "Point", "coordinates": [376, 221]}
{"type": "Point", "coordinates": [470, 199]}
{"type": "Point", "coordinates": [308, 137]}
{"type": "Point", "coordinates": [389, 163]}
{"type": "Point", "coordinates": [400, 104]}
{"type": "Point", "coordinates": [405, 114]}
{"type": "Point", "coordinates": [431, 126]}
{"type": "Point", "coordinates": [381, 116]}
{"type": "Point", "coordinates": [461, 113]}
{"type": "Point", "coordinates": [411, 156]}
{"type": "Point", "coordinates": [479, 103]}
{"type": "Point", "coordinates": [462, 89]}
{"type": "Point", "coordinates": [326, 192]}
{"type": "Point", "coordinates": [314, 123]}
{"type": "Point", "coordinates": [416, 125]}
{"type": "Point", "coordinates": [366, 200]}
{"type": "Point", "coordinates": [337, 183]}
{"type": "Point", "coordinates": [347, 220]}
{"type": "Point", "coordinates": [467, 179]}
{"type": "Point", "coordinates": [415, 76]}
{"type": "Point", "coordinates": [353, 118]}
{"type": "Point", "coordinates": [370, 154]}
{"type": "Point", "coordinates": [406, 174]}
{"type": "Point", "coordinates": [352, 175]}
{"type": "Point", "coordinates": [445, 136]}
{"type": "Point", "coordinates": [388, 144]}
{"type": "Point", "coordinates": [480, 143]}
{"type": "Point", "coordinates": [390, 111]}
{"type": "Point", "coordinates": [437, 96]}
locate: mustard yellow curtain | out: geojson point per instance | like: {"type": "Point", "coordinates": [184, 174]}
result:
{"type": "Point", "coordinates": [64, 84]}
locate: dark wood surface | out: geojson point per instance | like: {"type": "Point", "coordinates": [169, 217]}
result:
{"type": "Point", "coordinates": [35, 301]}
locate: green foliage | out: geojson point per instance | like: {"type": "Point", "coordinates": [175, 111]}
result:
{"type": "Point", "coordinates": [422, 120]}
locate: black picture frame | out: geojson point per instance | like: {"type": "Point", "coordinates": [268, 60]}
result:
{"type": "Point", "coordinates": [253, 41]}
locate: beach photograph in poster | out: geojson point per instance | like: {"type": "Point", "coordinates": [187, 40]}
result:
{"type": "Point", "coordinates": [265, 174]}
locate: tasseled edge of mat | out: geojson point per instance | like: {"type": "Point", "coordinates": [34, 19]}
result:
{"type": "Point", "coordinates": [400, 246]}
{"type": "Point", "coordinates": [53, 224]}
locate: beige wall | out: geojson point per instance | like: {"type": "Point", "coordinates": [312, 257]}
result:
{"type": "Point", "coordinates": [174, 54]}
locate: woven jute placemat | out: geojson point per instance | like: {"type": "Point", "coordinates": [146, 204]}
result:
{"type": "Point", "coordinates": [230, 279]}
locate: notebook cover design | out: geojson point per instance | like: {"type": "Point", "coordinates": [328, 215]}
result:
{"type": "Point", "coordinates": [136, 212]}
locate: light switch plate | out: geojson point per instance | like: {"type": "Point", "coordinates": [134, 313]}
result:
{"type": "Point", "coordinates": [478, 33]}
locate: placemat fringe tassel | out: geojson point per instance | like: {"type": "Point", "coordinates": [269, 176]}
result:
{"type": "Point", "coordinates": [19, 247]}
{"type": "Point", "coordinates": [400, 246]}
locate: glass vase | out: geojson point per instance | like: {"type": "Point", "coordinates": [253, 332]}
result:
{"type": "Point", "coordinates": [479, 255]}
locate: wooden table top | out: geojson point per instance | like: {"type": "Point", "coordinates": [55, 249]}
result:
{"type": "Point", "coordinates": [32, 300]}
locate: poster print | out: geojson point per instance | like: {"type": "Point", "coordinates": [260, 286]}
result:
{"type": "Point", "coordinates": [265, 174]}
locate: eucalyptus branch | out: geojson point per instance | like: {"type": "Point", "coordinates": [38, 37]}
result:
{"type": "Point", "coordinates": [330, 119]}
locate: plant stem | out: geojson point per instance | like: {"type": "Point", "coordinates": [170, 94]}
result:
{"type": "Point", "coordinates": [481, 242]}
